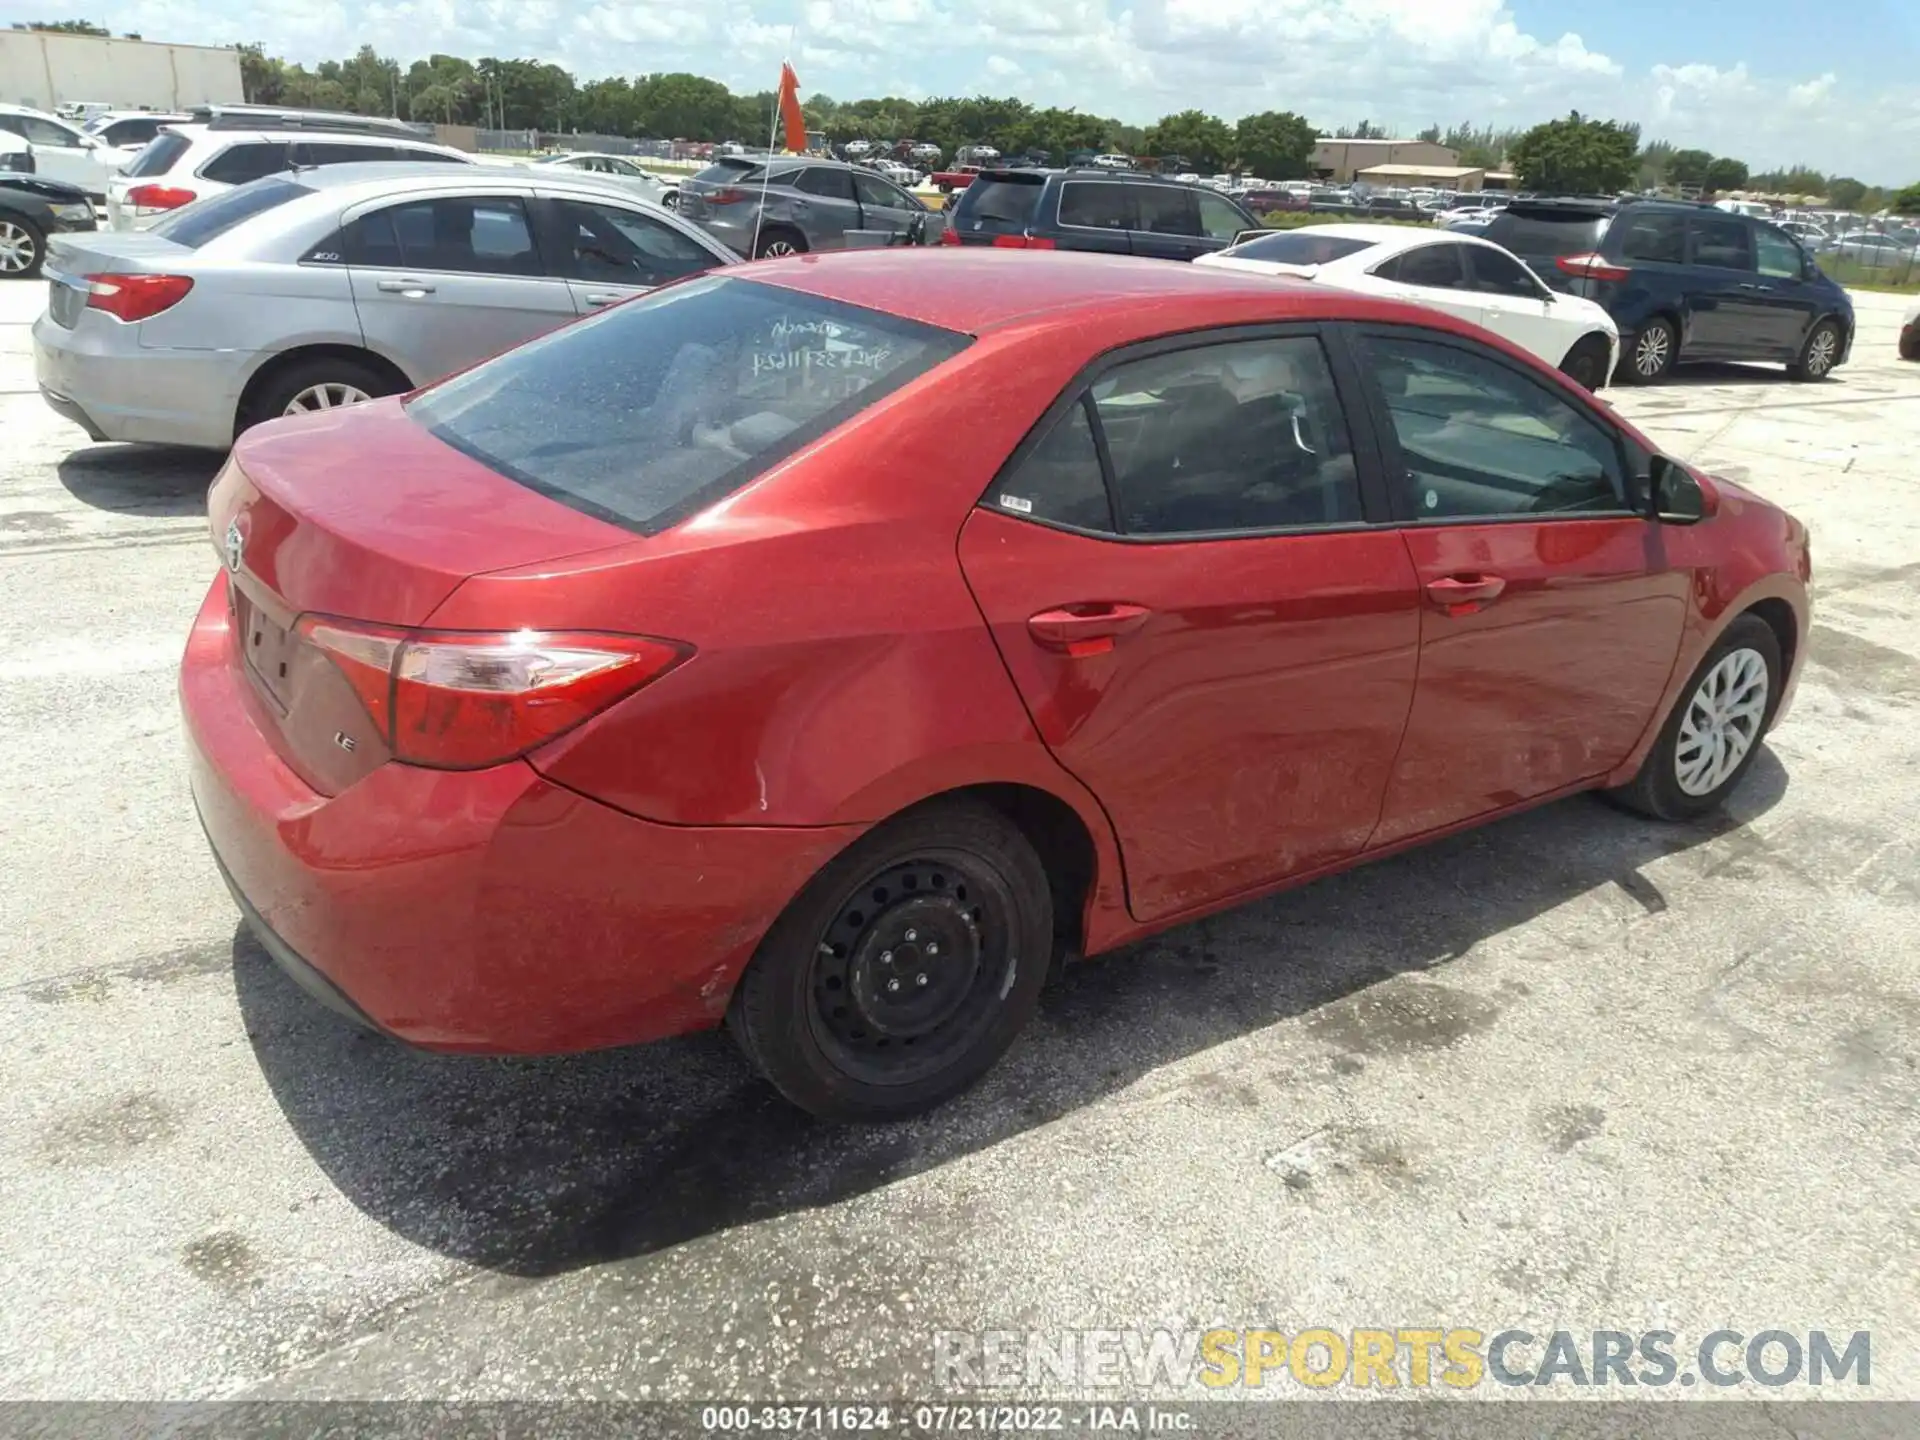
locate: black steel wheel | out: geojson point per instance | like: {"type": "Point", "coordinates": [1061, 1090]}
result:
{"type": "Point", "coordinates": [904, 971]}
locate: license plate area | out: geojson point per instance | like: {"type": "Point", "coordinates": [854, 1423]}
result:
{"type": "Point", "coordinates": [266, 646]}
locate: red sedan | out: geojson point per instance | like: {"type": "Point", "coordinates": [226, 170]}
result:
{"type": "Point", "coordinates": [826, 647]}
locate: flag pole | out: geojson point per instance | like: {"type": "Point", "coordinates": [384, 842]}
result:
{"type": "Point", "coordinates": [773, 130]}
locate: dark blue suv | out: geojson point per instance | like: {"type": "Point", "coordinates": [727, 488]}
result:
{"type": "Point", "coordinates": [1685, 282]}
{"type": "Point", "coordinates": [1116, 212]}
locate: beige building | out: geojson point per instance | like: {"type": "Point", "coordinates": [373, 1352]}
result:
{"type": "Point", "coordinates": [1437, 177]}
{"type": "Point", "coordinates": [1343, 160]}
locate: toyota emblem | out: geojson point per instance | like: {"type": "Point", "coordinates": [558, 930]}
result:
{"type": "Point", "coordinates": [235, 540]}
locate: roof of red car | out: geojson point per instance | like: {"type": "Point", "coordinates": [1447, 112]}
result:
{"type": "Point", "coordinates": [975, 288]}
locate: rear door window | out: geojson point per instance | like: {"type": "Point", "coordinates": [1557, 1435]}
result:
{"type": "Point", "coordinates": [1059, 481]}
{"type": "Point", "coordinates": [460, 235]}
{"type": "Point", "coordinates": [648, 412]}
{"type": "Point", "coordinates": [1723, 244]}
{"type": "Point", "coordinates": [825, 182]}
{"type": "Point", "coordinates": [1096, 205]}
{"type": "Point", "coordinates": [249, 160]}
{"type": "Point", "coordinates": [1656, 236]}
{"type": "Point", "coordinates": [1239, 436]}
{"type": "Point", "coordinates": [1432, 267]}
{"type": "Point", "coordinates": [1165, 210]}
{"type": "Point", "coordinates": [308, 153]}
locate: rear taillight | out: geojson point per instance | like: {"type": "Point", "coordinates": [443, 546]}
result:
{"type": "Point", "coordinates": [1022, 242]}
{"type": "Point", "coordinates": [949, 236]}
{"type": "Point", "coordinates": [726, 196]}
{"type": "Point", "coordinates": [136, 297]}
{"type": "Point", "coordinates": [152, 199]}
{"type": "Point", "coordinates": [1592, 266]}
{"type": "Point", "coordinates": [462, 700]}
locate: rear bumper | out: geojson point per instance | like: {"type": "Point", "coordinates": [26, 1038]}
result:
{"type": "Point", "coordinates": [489, 911]}
{"type": "Point", "coordinates": [98, 375]}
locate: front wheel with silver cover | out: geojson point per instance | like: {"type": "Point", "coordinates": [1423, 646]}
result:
{"type": "Point", "coordinates": [904, 970]}
{"type": "Point", "coordinates": [1711, 738]}
{"type": "Point", "coordinates": [1819, 354]}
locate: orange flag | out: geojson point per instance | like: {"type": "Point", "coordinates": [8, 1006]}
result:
{"type": "Point", "coordinates": [791, 119]}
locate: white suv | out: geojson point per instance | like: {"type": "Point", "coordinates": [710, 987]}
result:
{"type": "Point", "coordinates": [56, 150]}
{"type": "Point", "coordinates": [230, 145]}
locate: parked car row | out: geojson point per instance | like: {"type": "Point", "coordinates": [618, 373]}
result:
{"type": "Point", "coordinates": [332, 286]}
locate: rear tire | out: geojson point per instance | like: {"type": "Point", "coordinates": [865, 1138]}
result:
{"type": "Point", "coordinates": [778, 240]}
{"type": "Point", "coordinates": [1586, 362]}
{"type": "Point", "coordinates": [904, 970]}
{"type": "Point", "coordinates": [1648, 357]}
{"type": "Point", "coordinates": [23, 249]}
{"type": "Point", "coordinates": [1910, 343]}
{"type": "Point", "coordinates": [324, 383]}
{"type": "Point", "coordinates": [1819, 354]}
{"type": "Point", "coordinates": [1684, 775]}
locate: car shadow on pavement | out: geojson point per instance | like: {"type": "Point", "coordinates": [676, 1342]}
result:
{"type": "Point", "coordinates": [141, 479]}
{"type": "Point", "coordinates": [1717, 372]}
{"type": "Point", "coordinates": [534, 1167]}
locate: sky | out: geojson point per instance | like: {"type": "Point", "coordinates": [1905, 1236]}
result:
{"type": "Point", "coordinates": [1772, 82]}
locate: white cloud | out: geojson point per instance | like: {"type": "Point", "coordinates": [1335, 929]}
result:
{"type": "Point", "coordinates": [1404, 63]}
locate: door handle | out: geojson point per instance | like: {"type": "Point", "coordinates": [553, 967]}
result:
{"type": "Point", "coordinates": [1465, 594]}
{"type": "Point", "coordinates": [405, 287]}
{"type": "Point", "coordinates": [604, 299]}
{"type": "Point", "coordinates": [1748, 285]}
{"type": "Point", "coordinates": [1086, 629]}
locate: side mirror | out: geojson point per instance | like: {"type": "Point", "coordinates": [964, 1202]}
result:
{"type": "Point", "coordinates": [1674, 496]}
{"type": "Point", "coordinates": [20, 163]}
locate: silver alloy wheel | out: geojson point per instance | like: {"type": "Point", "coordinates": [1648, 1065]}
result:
{"type": "Point", "coordinates": [1650, 351]}
{"type": "Point", "coordinates": [329, 396]}
{"type": "Point", "coordinates": [17, 250]}
{"type": "Point", "coordinates": [1722, 722]}
{"type": "Point", "coordinates": [775, 249]}
{"type": "Point", "coordinates": [1824, 350]}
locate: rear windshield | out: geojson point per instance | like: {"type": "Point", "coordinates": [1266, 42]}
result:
{"type": "Point", "coordinates": [1299, 247]}
{"type": "Point", "coordinates": [208, 219]}
{"type": "Point", "coordinates": [653, 410]}
{"type": "Point", "coordinates": [1527, 231]}
{"type": "Point", "coordinates": [995, 203]}
{"type": "Point", "coordinates": [730, 171]}
{"type": "Point", "coordinates": [157, 159]}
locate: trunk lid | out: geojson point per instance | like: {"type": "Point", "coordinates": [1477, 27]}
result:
{"type": "Point", "coordinates": [363, 515]}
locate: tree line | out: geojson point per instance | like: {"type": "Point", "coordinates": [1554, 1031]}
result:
{"type": "Point", "coordinates": [1575, 154]}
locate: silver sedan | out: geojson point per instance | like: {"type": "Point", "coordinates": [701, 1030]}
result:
{"type": "Point", "coordinates": [327, 287]}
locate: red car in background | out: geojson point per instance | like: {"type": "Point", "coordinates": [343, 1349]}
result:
{"type": "Point", "coordinates": [828, 647]}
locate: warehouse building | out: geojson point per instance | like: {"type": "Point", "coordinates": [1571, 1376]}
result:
{"type": "Point", "coordinates": [46, 69]}
{"type": "Point", "coordinates": [1342, 160]}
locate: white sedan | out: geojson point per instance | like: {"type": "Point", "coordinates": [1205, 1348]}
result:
{"type": "Point", "coordinates": [1458, 273]}
{"type": "Point", "coordinates": [644, 183]}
